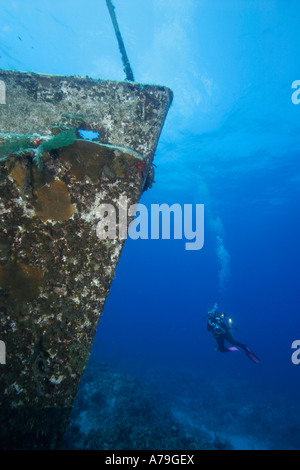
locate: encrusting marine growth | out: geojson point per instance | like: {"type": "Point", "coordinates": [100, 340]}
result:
{"type": "Point", "coordinates": [55, 273]}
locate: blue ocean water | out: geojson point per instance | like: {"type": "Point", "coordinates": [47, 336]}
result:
{"type": "Point", "coordinates": [231, 142]}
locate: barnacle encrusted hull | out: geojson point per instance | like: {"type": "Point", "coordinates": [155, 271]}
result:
{"type": "Point", "coordinates": [55, 271]}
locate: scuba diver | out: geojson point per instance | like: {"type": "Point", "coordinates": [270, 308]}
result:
{"type": "Point", "coordinates": [217, 324]}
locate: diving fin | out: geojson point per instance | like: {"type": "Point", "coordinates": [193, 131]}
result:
{"type": "Point", "coordinates": [251, 355]}
{"type": "Point", "coordinates": [232, 348]}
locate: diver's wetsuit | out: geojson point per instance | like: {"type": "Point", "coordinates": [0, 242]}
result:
{"type": "Point", "coordinates": [220, 330]}
{"type": "Point", "coordinates": [230, 339]}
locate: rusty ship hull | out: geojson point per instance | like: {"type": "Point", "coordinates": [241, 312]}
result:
{"type": "Point", "coordinates": [55, 271]}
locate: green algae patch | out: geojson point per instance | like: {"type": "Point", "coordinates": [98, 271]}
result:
{"type": "Point", "coordinates": [22, 281]}
{"type": "Point", "coordinates": [63, 139]}
{"type": "Point", "coordinates": [11, 143]}
{"type": "Point", "coordinates": [53, 202]}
